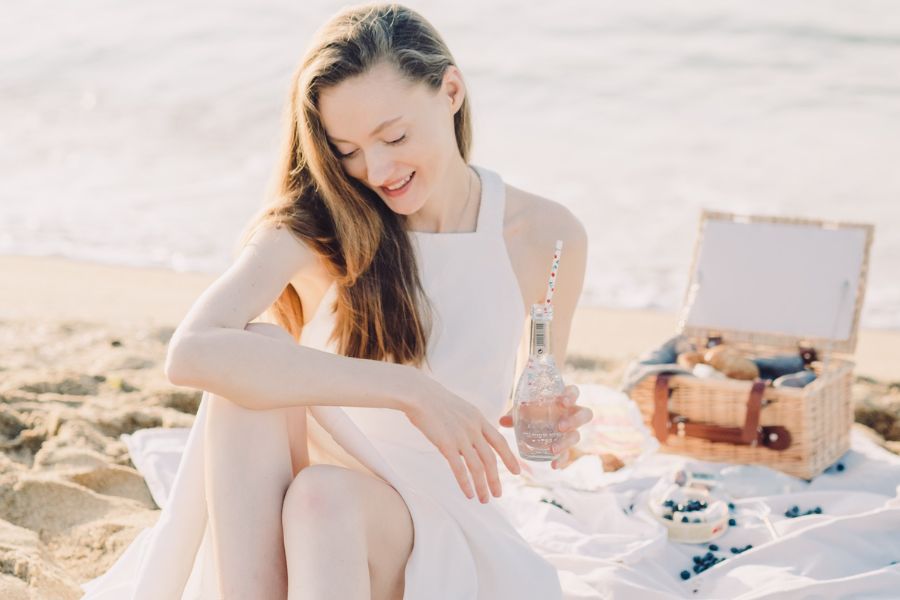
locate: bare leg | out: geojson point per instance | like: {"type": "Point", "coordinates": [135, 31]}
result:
{"type": "Point", "coordinates": [248, 463]}
{"type": "Point", "coordinates": [348, 535]}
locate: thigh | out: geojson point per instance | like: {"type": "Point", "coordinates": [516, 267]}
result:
{"type": "Point", "coordinates": [331, 493]}
{"type": "Point", "coordinates": [390, 535]}
{"type": "Point", "coordinates": [296, 421]}
{"type": "Point", "coordinates": [295, 415]}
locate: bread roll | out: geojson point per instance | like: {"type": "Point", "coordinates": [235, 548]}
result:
{"type": "Point", "coordinates": [731, 362]}
{"type": "Point", "coordinates": [689, 360]}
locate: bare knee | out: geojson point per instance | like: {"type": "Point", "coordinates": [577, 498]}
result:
{"type": "Point", "coordinates": [322, 496]}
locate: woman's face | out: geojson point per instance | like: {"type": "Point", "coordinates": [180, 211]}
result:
{"type": "Point", "coordinates": [394, 136]}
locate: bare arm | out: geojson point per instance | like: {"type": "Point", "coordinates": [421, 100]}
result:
{"type": "Point", "coordinates": [210, 349]}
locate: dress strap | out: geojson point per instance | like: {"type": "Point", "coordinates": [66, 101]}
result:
{"type": "Point", "coordinates": [493, 202]}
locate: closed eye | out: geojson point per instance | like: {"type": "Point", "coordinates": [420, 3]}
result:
{"type": "Point", "coordinates": [399, 140]}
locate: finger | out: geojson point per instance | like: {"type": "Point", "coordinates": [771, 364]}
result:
{"type": "Point", "coordinates": [585, 416]}
{"type": "Point", "coordinates": [568, 440]}
{"type": "Point", "coordinates": [489, 460]}
{"type": "Point", "coordinates": [563, 461]}
{"type": "Point", "coordinates": [499, 443]}
{"type": "Point", "coordinates": [477, 471]}
{"type": "Point", "coordinates": [571, 395]}
{"type": "Point", "coordinates": [459, 471]}
{"type": "Point", "coordinates": [580, 416]}
{"type": "Point", "coordinates": [566, 399]}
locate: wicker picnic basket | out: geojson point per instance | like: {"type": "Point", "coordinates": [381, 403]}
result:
{"type": "Point", "coordinates": [766, 286]}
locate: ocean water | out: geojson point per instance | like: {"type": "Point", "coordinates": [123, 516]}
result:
{"type": "Point", "coordinates": [144, 133]}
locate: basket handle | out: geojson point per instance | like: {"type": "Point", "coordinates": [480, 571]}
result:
{"type": "Point", "coordinates": [665, 422]}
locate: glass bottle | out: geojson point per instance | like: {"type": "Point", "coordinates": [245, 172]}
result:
{"type": "Point", "coordinates": [536, 408]}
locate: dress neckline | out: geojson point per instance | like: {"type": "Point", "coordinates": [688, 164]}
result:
{"type": "Point", "coordinates": [478, 221]}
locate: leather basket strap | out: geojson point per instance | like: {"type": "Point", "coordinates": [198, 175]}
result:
{"type": "Point", "coordinates": [665, 422]}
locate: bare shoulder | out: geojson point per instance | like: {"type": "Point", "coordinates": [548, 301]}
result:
{"type": "Point", "coordinates": [531, 227]}
{"type": "Point", "coordinates": [534, 215]}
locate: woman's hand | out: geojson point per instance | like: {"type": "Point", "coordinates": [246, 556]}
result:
{"type": "Point", "coordinates": [574, 416]}
{"type": "Point", "coordinates": [459, 430]}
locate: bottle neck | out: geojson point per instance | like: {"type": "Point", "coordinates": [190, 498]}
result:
{"type": "Point", "coordinates": [540, 339]}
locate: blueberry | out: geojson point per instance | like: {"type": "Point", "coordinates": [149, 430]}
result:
{"type": "Point", "coordinates": [818, 510]}
{"type": "Point", "coordinates": [684, 519]}
{"type": "Point", "coordinates": [732, 522]}
{"type": "Point", "coordinates": [731, 506]}
{"type": "Point", "coordinates": [840, 467]}
{"type": "Point", "coordinates": [795, 509]}
{"type": "Point", "coordinates": [697, 560]}
{"type": "Point", "coordinates": [713, 547]}
{"type": "Point", "coordinates": [698, 569]}
{"type": "Point", "coordinates": [669, 517]}
{"type": "Point", "coordinates": [685, 575]}
{"type": "Point", "coordinates": [735, 550]}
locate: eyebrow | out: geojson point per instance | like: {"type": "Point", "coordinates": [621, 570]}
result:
{"type": "Point", "coordinates": [377, 129]}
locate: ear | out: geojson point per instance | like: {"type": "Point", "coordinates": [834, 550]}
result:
{"type": "Point", "coordinates": [453, 88]}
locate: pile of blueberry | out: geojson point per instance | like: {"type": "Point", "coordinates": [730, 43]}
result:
{"type": "Point", "coordinates": [689, 506]}
{"type": "Point", "coordinates": [794, 512]}
{"type": "Point", "coordinates": [704, 561]}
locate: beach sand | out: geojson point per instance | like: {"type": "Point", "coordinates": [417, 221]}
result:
{"type": "Point", "coordinates": [81, 363]}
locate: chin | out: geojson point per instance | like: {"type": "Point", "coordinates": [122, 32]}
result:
{"type": "Point", "coordinates": [404, 208]}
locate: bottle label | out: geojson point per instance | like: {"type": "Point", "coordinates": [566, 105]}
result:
{"type": "Point", "coordinates": [540, 338]}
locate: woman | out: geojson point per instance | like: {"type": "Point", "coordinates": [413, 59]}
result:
{"type": "Point", "coordinates": [404, 273]}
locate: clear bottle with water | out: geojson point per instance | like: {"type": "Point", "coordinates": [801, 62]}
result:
{"type": "Point", "coordinates": [536, 406]}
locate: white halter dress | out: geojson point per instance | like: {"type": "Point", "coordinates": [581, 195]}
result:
{"type": "Point", "coordinates": [462, 549]}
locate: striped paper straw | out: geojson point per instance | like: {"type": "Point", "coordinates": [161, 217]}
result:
{"type": "Point", "coordinates": [551, 283]}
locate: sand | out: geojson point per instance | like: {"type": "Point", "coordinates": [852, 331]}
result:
{"type": "Point", "coordinates": [81, 354]}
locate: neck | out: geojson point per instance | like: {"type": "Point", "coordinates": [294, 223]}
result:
{"type": "Point", "coordinates": [445, 210]}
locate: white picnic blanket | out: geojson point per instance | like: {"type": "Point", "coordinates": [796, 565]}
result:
{"type": "Point", "coordinates": [595, 528]}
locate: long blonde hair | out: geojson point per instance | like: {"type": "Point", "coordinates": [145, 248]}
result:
{"type": "Point", "coordinates": [381, 311]}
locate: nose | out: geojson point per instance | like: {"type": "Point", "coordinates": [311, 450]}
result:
{"type": "Point", "coordinates": [379, 168]}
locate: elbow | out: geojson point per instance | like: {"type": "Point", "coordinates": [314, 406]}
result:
{"type": "Point", "coordinates": [177, 366]}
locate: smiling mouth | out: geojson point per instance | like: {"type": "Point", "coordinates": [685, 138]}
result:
{"type": "Point", "coordinates": [399, 186]}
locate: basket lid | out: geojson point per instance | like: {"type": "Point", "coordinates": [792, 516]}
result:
{"type": "Point", "coordinates": [778, 281]}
